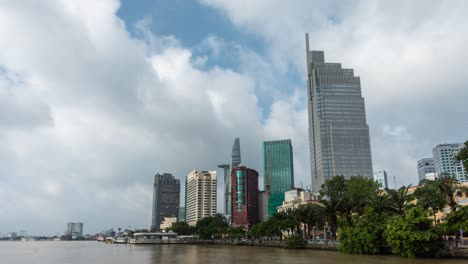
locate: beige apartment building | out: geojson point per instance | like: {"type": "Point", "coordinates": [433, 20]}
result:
{"type": "Point", "coordinates": [200, 195]}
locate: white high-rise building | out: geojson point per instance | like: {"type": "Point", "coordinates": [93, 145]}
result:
{"type": "Point", "coordinates": [425, 166]}
{"type": "Point", "coordinates": [200, 195]}
{"type": "Point", "coordinates": [381, 177]}
{"type": "Point", "coordinates": [445, 161]}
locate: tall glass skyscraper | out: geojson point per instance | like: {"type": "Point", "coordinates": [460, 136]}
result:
{"type": "Point", "coordinates": [279, 171]}
{"type": "Point", "coordinates": [338, 132]}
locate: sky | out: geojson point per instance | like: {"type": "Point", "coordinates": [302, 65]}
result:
{"type": "Point", "coordinates": [98, 96]}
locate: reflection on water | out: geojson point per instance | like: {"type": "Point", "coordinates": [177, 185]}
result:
{"type": "Point", "coordinates": [78, 252]}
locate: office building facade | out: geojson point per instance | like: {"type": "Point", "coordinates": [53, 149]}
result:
{"type": "Point", "coordinates": [425, 166]}
{"type": "Point", "coordinates": [279, 171]}
{"type": "Point", "coordinates": [381, 177]}
{"type": "Point", "coordinates": [227, 190]}
{"type": "Point", "coordinates": [245, 204]}
{"type": "Point", "coordinates": [339, 139]}
{"type": "Point", "coordinates": [262, 206]}
{"type": "Point", "coordinates": [166, 198]}
{"type": "Point", "coordinates": [182, 214]}
{"type": "Point", "coordinates": [200, 199]}
{"type": "Point", "coordinates": [445, 161]}
{"type": "Point", "coordinates": [74, 229]}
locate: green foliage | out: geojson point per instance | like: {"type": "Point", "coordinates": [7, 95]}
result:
{"type": "Point", "coordinates": [398, 199]}
{"type": "Point", "coordinates": [311, 215]}
{"type": "Point", "coordinates": [274, 226]}
{"type": "Point", "coordinates": [182, 228]}
{"type": "Point", "coordinates": [457, 219]}
{"type": "Point", "coordinates": [361, 192]}
{"type": "Point", "coordinates": [296, 242]}
{"type": "Point", "coordinates": [450, 188]}
{"type": "Point", "coordinates": [430, 197]}
{"type": "Point", "coordinates": [463, 156]}
{"type": "Point", "coordinates": [235, 232]}
{"type": "Point", "coordinates": [365, 237]}
{"type": "Point", "coordinates": [412, 235]}
{"type": "Point", "coordinates": [211, 227]}
{"type": "Point", "coordinates": [332, 196]}
{"type": "Point", "coordinates": [342, 197]}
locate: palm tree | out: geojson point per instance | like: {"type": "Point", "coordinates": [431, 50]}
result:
{"type": "Point", "coordinates": [450, 188]}
{"type": "Point", "coordinates": [397, 199]}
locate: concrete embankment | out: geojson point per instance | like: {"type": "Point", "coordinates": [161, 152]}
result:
{"type": "Point", "coordinates": [277, 244]}
{"type": "Point", "coordinates": [461, 251]}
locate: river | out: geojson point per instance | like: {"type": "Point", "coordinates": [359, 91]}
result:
{"type": "Point", "coordinates": [80, 252]}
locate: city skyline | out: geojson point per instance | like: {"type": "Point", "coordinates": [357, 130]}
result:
{"type": "Point", "coordinates": [98, 96]}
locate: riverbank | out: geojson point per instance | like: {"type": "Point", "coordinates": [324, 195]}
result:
{"type": "Point", "coordinates": [459, 252]}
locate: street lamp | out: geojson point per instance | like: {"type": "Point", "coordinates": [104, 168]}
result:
{"type": "Point", "coordinates": [313, 233]}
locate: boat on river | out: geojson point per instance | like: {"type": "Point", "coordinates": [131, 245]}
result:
{"type": "Point", "coordinates": [120, 240]}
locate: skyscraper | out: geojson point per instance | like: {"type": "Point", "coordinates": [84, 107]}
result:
{"type": "Point", "coordinates": [182, 214]}
{"type": "Point", "coordinates": [279, 171]}
{"type": "Point", "coordinates": [245, 210]}
{"type": "Point", "coordinates": [235, 161]}
{"type": "Point", "coordinates": [227, 190]}
{"type": "Point", "coordinates": [166, 198]}
{"type": "Point", "coordinates": [445, 161]}
{"type": "Point", "coordinates": [338, 133]}
{"type": "Point", "coordinates": [200, 200]}
{"type": "Point", "coordinates": [381, 177]}
{"type": "Point", "coordinates": [74, 229]}
{"type": "Point", "coordinates": [235, 154]}
{"type": "Point", "coordinates": [425, 166]}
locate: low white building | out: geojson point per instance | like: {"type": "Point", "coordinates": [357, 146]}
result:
{"type": "Point", "coordinates": [167, 223]}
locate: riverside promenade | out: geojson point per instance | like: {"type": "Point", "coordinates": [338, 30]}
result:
{"type": "Point", "coordinates": [455, 251]}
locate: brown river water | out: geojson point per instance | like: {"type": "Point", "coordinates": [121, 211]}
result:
{"type": "Point", "coordinates": [78, 252]}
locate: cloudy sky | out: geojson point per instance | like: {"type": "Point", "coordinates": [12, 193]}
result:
{"type": "Point", "coordinates": [97, 96]}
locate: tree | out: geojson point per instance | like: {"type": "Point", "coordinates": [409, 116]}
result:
{"type": "Point", "coordinates": [463, 156]}
{"type": "Point", "coordinates": [450, 188]}
{"type": "Point", "coordinates": [235, 232]}
{"type": "Point", "coordinates": [397, 199]}
{"type": "Point", "coordinates": [311, 215]}
{"type": "Point", "coordinates": [212, 226]}
{"type": "Point", "coordinates": [365, 237]}
{"type": "Point", "coordinates": [430, 197]}
{"type": "Point", "coordinates": [412, 235]}
{"type": "Point", "coordinates": [182, 228]}
{"type": "Point", "coordinates": [332, 196]}
{"type": "Point", "coordinates": [458, 219]}
{"type": "Point", "coordinates": [360, 193]}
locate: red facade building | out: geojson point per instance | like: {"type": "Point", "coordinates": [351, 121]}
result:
{"type": "Point", "coordinates": [244, 195]}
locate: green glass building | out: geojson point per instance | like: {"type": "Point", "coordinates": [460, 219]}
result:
{"type": "Point", "coordinates": [278, 171]}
